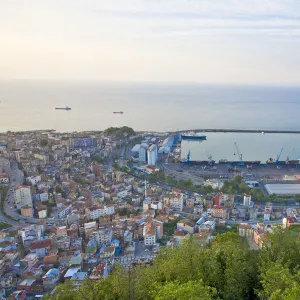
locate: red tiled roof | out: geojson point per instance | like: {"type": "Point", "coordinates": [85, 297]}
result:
{"type": "Point", "coordinates": [40, 244]}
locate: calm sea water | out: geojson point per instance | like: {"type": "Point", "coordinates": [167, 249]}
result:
{"type": "Point", "coordinates": [30, 105]}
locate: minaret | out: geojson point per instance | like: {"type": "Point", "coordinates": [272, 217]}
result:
{"type": "Point", "coordinates": [145, 188]}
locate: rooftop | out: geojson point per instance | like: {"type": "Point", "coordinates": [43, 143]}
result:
{"type": "Point", "coordinates": [283, 189]}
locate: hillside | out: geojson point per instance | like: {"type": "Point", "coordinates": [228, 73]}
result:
{"type": "Point", "coordinates": [226, 269]}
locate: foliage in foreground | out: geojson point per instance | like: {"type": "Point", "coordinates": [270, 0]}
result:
{"type": "Point", "coordinates": [227, 269]}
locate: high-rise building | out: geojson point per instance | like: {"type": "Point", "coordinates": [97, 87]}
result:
{"type": "Point", "coordinates": [22, 196]}
{"type": "Point", "coordinates": [152, 155]}
{"type": "Point", "coordinates": [143, 153]}
{"type": "Point", "coordinates": [247, 200]}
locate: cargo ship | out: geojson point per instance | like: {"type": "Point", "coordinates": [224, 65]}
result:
{"type": "Point", "coordinates": [63, 108]}
{"type": "Point", "coordinates": [118, 112]}
{"type": "Point", "coordinates": [193, 136]}
{"type": "Point", "coordinates": [240, 163]}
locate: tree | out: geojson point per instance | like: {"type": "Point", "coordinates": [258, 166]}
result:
{"type": "Point", "coordinates": [186, 291]}
{"type": "Point", "coordinates": [58, 189]}
{"type": "Point", "coordinates": [43, 143]}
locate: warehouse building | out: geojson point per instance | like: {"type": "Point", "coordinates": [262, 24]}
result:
{"type": "Point", "coordinates": [283, 189]}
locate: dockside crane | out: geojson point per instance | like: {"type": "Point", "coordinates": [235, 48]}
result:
{"type": "Point", "coordinates": [209, 156]}
{"type": "Point", "coordinates": [290, 156]}
{"type": "Point", "coordinates": [241, 163]}
{"type": "Point", "coordinates": [278, 157]}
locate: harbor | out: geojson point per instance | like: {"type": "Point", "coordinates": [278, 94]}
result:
{"type": "Point", "coordinates": [238, 148]}
{"type": "Point", "coordinates": [224, 130]}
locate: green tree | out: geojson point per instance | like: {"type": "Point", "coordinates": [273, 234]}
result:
{"type": "Point", "coordinates": [44, 143]}
{"type": "Point", "coordinates": [190, 290]}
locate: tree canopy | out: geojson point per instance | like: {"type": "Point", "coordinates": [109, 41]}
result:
{"type": "Point", "coordinates": [224, 269]}
{"type": "Point", "coordinates": [124, 131]}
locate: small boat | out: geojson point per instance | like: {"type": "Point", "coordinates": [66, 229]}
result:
{"type": "Point", "coordinates": [63, 108]}
{"type": "Point", "coordinates": [118, 112]}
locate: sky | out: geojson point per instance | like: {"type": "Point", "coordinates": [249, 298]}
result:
{"type": "Point", "coordinates": [207, 41]}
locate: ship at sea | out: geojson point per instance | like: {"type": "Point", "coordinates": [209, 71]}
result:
{"type": "Point", "coordinates": [63, 108]}
{"type": "Point", "coordinates": [192, 136]}
{"type": "Point", "coordinates": [118, 112]}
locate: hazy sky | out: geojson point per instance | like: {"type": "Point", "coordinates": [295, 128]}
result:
{"type": "Point", "coordinates": [214, 41]}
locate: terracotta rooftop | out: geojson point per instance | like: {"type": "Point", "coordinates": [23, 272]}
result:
{"type": "Point", "coordinates": [40, 244]}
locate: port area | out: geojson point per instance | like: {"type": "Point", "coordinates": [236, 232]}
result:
{"type": "Point", "coordinates": [198, 173]}
{"type": "Point", "coordinates": [241, 130]}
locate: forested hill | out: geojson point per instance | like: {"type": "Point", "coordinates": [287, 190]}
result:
{"type": "Point", "coordinates": [226, 269]}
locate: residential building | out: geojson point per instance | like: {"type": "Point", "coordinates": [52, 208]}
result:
{"type": "Point", "coordinates": [42, 213]}
{"type": "Point", "coordinates": [174, 200]}
{"type": "Point", "coordinates": [186, 225]}
{"type": "Point", "coordinates": [4, 178]}
{"type": "Point", "coordinates": [51, 278]}
{"type": "Point", "coordinates": [25, 285]}
{"type": "Point", "coordinates": [103, 235]}
{"type": "Point", "coordinates": [2, 267]}
{"type": "Point", "coordinates": [109, 251]}
{"type": "Point", "coordinates": [78, 278]}
{"type": "Point", "coordinates": [30, 260]}
{"type": "Point", "coordinates": [179, 236]}
{"type": "Point", "coordinates": [100, 271]}
{"type": "Point", "coordinates": [220, 212]}
{"type": "Point", "coordinates": [27, 211]}
{"type": "Point", "coordinates": [109, 210]}
{"type": "Point", "coordinates": [149, 234]}
{"type": "Point", "coordinates": [64, 211]}
{"type": "Point", "coordinates": [33, 180]}
{"type": "Point", "coordinates": [90, 227]}
{"type": "Point", "coordinates": [22, 196]}
{"type": "Point", "coordinates": [247, 200]}
{"type": "Point", "coordinates": [40, 247]}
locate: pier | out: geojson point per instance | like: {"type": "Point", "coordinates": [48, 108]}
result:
{"type": "Point", "coordinates": [241, 130]}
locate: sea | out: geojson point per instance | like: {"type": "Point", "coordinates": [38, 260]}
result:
{"type": "Point", "coordinates": [30, 105]}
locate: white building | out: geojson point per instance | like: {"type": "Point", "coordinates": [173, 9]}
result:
{"type": "Point", "coordinates": [247, 200]}
{"type": "Point", "coordinates": [96, 212]}
{"type": "Point", "coordinates": [34, 179]}
{"type": "Point", "coordinates": [122, 194]}
{"type": "Point", "coordinates": [152, 155]}
{"type": "Point", "coordinates": [149, 233]}
{"type": "Point", "coordinates": [22, 196]}
{"type": "Point", "coordinates": [103, 235]}
{"type": "Point", "coordinates": [42, 214]}
{"type": "Point", "coordinates": [44, 197]}
{"type": "Point", "coordinates": [109, 209]}
{"type": "Point", "coordinates": [4, 178]}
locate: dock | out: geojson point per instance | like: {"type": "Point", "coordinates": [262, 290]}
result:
{"type": "Point", "coordinates": [241, 130]}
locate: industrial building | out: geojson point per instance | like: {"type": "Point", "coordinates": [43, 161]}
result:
{"type": "Point", "coordinates": [283, 189]}
{"type": "Point", "coordinates": [152, 155]}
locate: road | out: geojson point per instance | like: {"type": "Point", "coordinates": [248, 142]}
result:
{"type": "Point", "coordinates": [16, 177]}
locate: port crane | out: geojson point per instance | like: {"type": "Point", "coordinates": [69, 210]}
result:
{"type": "Point", "coordinates": [290, 156]}
{"type": "Point", "coordinates": [209, 156]}
{"type": "Point", "coordinates": [241, 163]}
{"type": "Point", "coordinates": [278, 157]}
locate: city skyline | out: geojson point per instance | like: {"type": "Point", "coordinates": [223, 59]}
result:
{"type": "Point", "coordinates": [236, 42]}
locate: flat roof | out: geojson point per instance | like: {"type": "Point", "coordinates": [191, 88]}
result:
{"type": "Point", "coordinates": [283, 189]}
